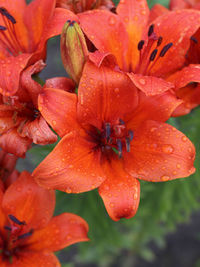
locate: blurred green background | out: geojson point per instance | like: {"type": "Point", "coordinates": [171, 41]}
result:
{"type": "Point", "coordinates": [164, 208]}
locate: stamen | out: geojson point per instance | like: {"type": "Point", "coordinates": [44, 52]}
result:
{"type": "Point", "coordinates": [26, 234]}
{"type": "Point", "coordinates": [194, 39]}
{"type": "Point", "coordinates": [165, 49]}
{"type": "Point", "coordinates": [130, 135]}
{"type": "Point", "coordinates": [159, 42]}
{"type": "Point", "coordinates": [128, 148]}
{"type": "Point", "coordinates": [107, 126]}
{"type": "Point", "coordinates": [140, 45]}
{"type": "Point", "coordinates": [7, 228]}
{"type": "Point", "coordinates": [153, 54]}
{"type": "Point", "coordinates": [121, 122]}
{"type": "Point", "coordinates": [119, 147]}
{"type": "Point", "coordinates": [5, 13]}
{"type": "Point", "coordinates": [151, 30]}
{"type": "Point", "coordinates": [15, 220]}
{"type": "Point", "coordinates": [2, 28]}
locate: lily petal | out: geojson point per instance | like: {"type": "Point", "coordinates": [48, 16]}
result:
{"type": "Point", "coordinates": [159, 153]}
{"type": "Point", "coordinates": [150, 85]}
{"type": "Point", "coordinates": [120, 192]}
{"type": "Point", "coordinates": [63, 83]}
{"type": "Point", "coordinates": [101, 92]}
{"type": "Point", "coordinates": [158, 108]}
{"type": "Point", "coordinates": [135, 15]}
{"type": "Point", "coordinates": [28, 202]}
{"type": "Point", "coordinates": [156, 11]}
{"type": "Point", "coordinates": [29, 258]}
{"type": "Point", "coordinates": [108, 35]}
{"type": "Point", "coordinates": [73, 166]}
{"type": "Point", "coordinates": [38, 131]}
{"type": "Point", "coordinates": [12, 67]}
{"type": "Point", "coordinates": [12, 143]}
{"type": "Point", "coordinates": [59, 110]}
{"type": "Point", "coordinates": [187, 22]}
{"type": "Point", "coordinates": [63, 230]}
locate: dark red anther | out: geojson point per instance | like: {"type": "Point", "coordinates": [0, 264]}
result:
{"type": "Point", "coordinates": [165, 49]}
{"type": "Point", "coordinates": [159, 42]}
{"type": "Point", "coordinates": [130, 135]}
{"type": "Point", "coordinates": [121, 122]}
{"type": "Point", "coordinates": [26, 234]}
{"type": "Point", "coordinates": [151, 30]}
{"type": "Point", "coordinates": [108, 131]}
{"type": "Point", "coordinates": [153, 54]}
{"type": "Point", "coordinates": [5, 13]}
{"type": "Point", "coordinates": [194, 39]}
{"type": "Point", "coordinates": [8, 228]}
{"type": "Point", "coordinates": [15, 220]}
{"type": "Point", "coordinates": [128, 148]}
{"type": "Point", "coordinates": [2, 28]}
{"type": "Point", "coordinates": [140, 45]}
{"type": "Point", "coordinates": [119, 147]}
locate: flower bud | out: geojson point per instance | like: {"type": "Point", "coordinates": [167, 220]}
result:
{"type": "Point", "coordinates": [73, 50]}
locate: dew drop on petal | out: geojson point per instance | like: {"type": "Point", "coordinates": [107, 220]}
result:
{"type": "Point", "coordinates": [168, 149]}
{"type": "Point", "coordinates": [68, 190]}
{"type": "Point", "coordinates": [165, 178]}
{"type": "Point", "coordinates": [184, 138]}
{"type": "Point", "coordinates": [142, 81]}
{"type": "Point", "coordinates": [54, 123]}
{"type": "Point", "coordinates": [112, 20]}
{"type": "Point", "coordinates": [178, 166]}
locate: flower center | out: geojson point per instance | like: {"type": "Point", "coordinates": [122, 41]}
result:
{"type": "Point", "coordinates": [116, 137]}
{"type": "Point", "coordinates": [8, 36]}
{"type": "Point", "coordinates": [11, 242]}
{"type": "Point", "coordinates": [149, 54]}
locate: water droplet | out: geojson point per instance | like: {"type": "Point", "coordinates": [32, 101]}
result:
{"type": "Point", "coordinates": [71, 166]}
{"type": "Point", "coordinates": [68, 190]}
{"type": "Point", "coordinates": [116, 90]}
{"type": "Point", "coordinates": [178, 166]}
{"type": "Point", "coordinates": [184, 138]}
{"type": "Point", "coordinates": [168, 149]}
{"type": "Point", "coordinates": [54, 123]}
{"type": "Point", "coordinates": [112, 20]}
{"type": "Point", "coordinates": [165, 178]}
{"type": "Point", "coordinates": [142, 81]}
{"type": "Point", "coordinates": [111, 205]}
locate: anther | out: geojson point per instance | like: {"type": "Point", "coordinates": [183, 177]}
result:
{"type": "Point", "coordinates": [15, 220]}
{"type": "Point", "coordinates": [26, 234]}
{"type": "Point", "coordinates": [194, 39]}
{"type": "Point", "coordinates": [159, 42]}
{"type": "Point", "coordinates": [5, 13]}
{"type": "Point", "coordinates": [153, 54]}
{"type": "Point", "coordinates": [165, 49]}
{"type": "Point", "coordinates": [2, 28]}
{"type": "Point", "coordinates": [130, 133]}
{"type": "Point", "coordinates": [7, 228]}
{"type": "Point", "coordinates": [151, 30]}
{"type": "Point", "coordinates": [119, 147]}
{"type": "Point", "coordinates": [140, 45]}
{"type": "Point", "coordinates": [128, 144]}
{"type": "Point", "coordinates": [107, 126]}
{"type": "Point", "coordinates": [121, 122]}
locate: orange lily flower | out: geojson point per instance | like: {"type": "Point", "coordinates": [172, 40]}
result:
{"type": "Point", "coordinates": [111, 137]}
{"type": "Point", "coordinates": [29, 234]}
{"type": "Point", "coordinates": [148, 53]}
{"type": "Point", "coordinates": [79, 6]}
{"type": "Point", "coordinates": [20, 121]}
{"type": "Point", "coordinates": [24, 31]}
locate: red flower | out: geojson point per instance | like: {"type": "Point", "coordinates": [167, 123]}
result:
{"type": "Point", "coordinates": [29, 234]}
{"type": "Point", "coordinates": [111, 137]}
{"type": "Point", "coordinates": [79, 6]}
{"type": "Point", "coordinates": [24, 31]}
{"type": "Point", "coordinates": [149, 53]}
{"type": "Point", "coordinates": [20, 121]}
